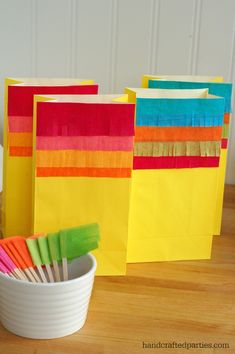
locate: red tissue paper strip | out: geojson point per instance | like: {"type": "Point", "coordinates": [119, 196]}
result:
{"type": "Point", "coordinates": [224, 143]}
{"type": "Point", "coordinates": [142, 163]}
{"type": "Point", "coordinates": [87, 119]}
{"type": "Point", "coordinates": [20, 98]}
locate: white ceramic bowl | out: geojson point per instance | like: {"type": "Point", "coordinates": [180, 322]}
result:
{"type": "Point", "coordinates": [46, 311]}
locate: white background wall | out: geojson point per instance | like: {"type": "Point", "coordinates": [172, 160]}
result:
{"type": "Point", "coordinates": [116, 41]}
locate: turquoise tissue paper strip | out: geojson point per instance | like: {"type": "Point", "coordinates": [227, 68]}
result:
{"type": "Point", "coordinates": [166, 112]}
{"type": "Point", "coordinates": [217, 89]}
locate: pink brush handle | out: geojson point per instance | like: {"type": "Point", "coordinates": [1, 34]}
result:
{"type": "Point", "coordinates": [4, 269]}
{"type": "Point", "coordinates": [7, 260]}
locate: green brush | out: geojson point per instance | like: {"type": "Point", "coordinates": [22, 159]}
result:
{"type": "Point", "coordinates": [76, 242]}
{"type": "Point", "coordinates": [55, 254]}
{"type": "Point", "coordinates": [35, 254]}
{"type": "Point", "coordinates": [45, 255]}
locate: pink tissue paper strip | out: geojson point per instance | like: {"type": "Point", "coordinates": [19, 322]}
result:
{"type": "Point", "coordinates": [20, 124]}
{"type": "Point", "coordinates": [6, 259]}
{"type": "Point", "coordinates": [94, 143]}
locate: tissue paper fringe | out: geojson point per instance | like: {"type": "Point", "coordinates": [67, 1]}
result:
{"type": "Point", "coordinates": [184, 148]}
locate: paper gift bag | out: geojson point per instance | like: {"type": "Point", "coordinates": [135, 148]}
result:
{"type": "Point", "coordinates": [17, 179]}
{"type": "Point", "coordinates": [215, 88]}
{"type": "Point", "coordinates": [174, 181]}
{"type": "Point", "coordinates": [83, 156]}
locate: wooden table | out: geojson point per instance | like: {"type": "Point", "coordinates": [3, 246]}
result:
{"type": "Point", "coordinates": [190, 301]}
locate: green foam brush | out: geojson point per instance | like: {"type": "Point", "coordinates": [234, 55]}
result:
{"type": "Point", "coordinates": [33, 247]}
{"type": "Point", "coordinates": [76, 242]}
{"type": "Point", "coordinates": [55, 253]}
{"type": "Point", "coordinates": [45, 255]}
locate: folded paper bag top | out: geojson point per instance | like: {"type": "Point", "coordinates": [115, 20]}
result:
{"type": "Point", "coordinates": [194, 78]}
{"type": "Point", "coordinates": [222, 89]}
{"type": "Point", "coordinates": [164, 93]}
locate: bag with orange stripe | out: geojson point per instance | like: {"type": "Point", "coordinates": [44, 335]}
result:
{"type": "Point", "coordinates": [18, 142]}
{"type": "Point", "coordinates": [82, 165]}
{"type": "Point", "coordinates": [179, 167]}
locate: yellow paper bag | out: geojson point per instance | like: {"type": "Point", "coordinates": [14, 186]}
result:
{"type": "Point", "coordinates": [218, 89]}
{"type": "Point", "coordinates": [172, 210]}
{"type": "Point", "coordinates": [17, 171]}
{"type": "Point", "coordinates": [71, 191]}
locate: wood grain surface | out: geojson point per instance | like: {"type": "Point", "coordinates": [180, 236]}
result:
{"type": "Point", "coordinates": [191, 301]}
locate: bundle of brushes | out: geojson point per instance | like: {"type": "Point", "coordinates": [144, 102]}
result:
{"type": "Point", "coordinates": [37, 258]}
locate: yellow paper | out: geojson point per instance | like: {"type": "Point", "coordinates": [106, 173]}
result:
{"type": "Point", "coordinates": [71, 201]}
{"type": "Point", "coordinates": [169, 249]}
{"type": "Point", "coordinates": [181, 208]}
{"type": "Point", "coordinates": [123, 99]}
{"type": "Point", "coordinates": [220, 192]}
{"type": "Point", "coordinates": [17, 214]}
{"type": "Point", "coordinates": [178, 202]}
{"type": "Point", "coordinates": [17, 175]}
